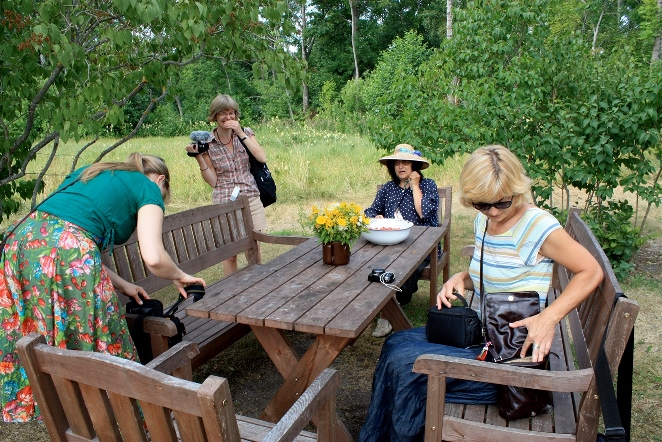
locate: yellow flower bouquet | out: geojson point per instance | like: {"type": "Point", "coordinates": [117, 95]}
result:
{"type": "Point", "coordinates": [342, 222]}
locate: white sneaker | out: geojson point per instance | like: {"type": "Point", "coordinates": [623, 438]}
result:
{"type": "Point", "coordinates": [383, 328]}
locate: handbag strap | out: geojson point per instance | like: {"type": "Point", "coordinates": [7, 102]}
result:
{"type": "Point", "coordinates": [254, 162]}
{"type": "Point", "coordinates": [482, 287]}
{"type": "Point", "coordinates": [616, 411]}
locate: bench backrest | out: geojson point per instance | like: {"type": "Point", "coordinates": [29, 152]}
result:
{"type": "Point", "coordinates": [604, 308]}
{"type": "Point", "coordinates": [93, 396]}
{"type": "Point", "coordinates": [195, 239]}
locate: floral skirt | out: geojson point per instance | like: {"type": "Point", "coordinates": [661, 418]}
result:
{"type": "Point", "coordinates": [52, 282]}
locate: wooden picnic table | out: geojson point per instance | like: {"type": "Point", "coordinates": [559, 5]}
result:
{"type": "Point", "coordinates": [297, 291]}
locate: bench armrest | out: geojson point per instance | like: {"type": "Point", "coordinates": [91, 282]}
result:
{"type": "Point", "coordinates": [154, 325]}
{"type": "Point", "coordinates": [503, 374]}
{"type": "Point", "coordinates": [176, 360]}
{"type": "Point", "coordinates": [318, 399]}
{"type": "Point", "coordinates": [279, 239]}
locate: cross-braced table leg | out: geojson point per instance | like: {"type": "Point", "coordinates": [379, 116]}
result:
{"type": "Point", "coordinates": [298, 373]}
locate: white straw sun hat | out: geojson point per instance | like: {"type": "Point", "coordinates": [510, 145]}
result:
{"type": "Point", "coordinates": [406, 152]}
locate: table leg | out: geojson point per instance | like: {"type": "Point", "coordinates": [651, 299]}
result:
{"type": "Point", "coordinates": [393, 313]}
{"type": "Point", "coordinates": [298, 373]}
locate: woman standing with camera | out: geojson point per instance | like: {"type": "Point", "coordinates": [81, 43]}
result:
{"type": "Point", "coordinates": [52, 280]}
{"type": "Point", "coordinates": [226, 167]}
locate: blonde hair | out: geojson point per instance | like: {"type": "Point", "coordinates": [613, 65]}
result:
{"type": "Point", "coordinates": [220, 103]}
{"type": "Point", "coordinates": [136, 162]}
{"type": "Point", "coordinates": [492, 173]}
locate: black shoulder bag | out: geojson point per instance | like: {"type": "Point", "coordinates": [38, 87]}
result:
{"type": "Point", "coordinates": [152, 307]}
{"type": "Point", "coordinates": [265, 182]}
{"type": "Point", "coordinates": [457, 326]}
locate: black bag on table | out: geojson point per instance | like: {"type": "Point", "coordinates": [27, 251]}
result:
{"type": "Point", "coordinates": [457, 326]}
{"type": "Point", "coordinates": [152, 307]}
{"type": "Point", "coordinates": [265, 182]}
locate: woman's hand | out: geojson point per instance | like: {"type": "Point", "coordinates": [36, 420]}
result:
{"type": "Point", "coordinates": [135, 291]}
{"type": "Point", "coordinates": [414, 179]}
{"type": "Point", "coordinates": [128, 288]}
{"type": "Point", "coordinates": [540, 334]}
{"type": "Point", "coordinates": [192, 148]}
{"type": "Point", "coordinates": [235, 126]}
{"type": "Point", "coordinates": [185, 280]}
{"type": "Point", "coordinates": [455, 284]}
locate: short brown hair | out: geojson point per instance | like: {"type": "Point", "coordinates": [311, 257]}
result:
{"type": "Point", "coordinates": [220, 103]}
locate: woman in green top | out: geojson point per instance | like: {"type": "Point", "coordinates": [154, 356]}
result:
{"type": "Point", "coordinates": [51, 277]}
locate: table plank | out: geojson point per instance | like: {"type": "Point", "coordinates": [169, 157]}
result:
{"type": "Point", "coordinates": [236, 283]}
{"type": "Point", "coordinates": [297, 274]}
{"type": "Point", "coordinates": [358, 314]}
{"type": "Point", "coordinates": [315, 281]}
{"type": "Point", "coordinates": [372, 295]}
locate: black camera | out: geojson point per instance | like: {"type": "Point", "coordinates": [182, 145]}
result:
{"type": "Point", "coordinates": [201, 140]}
{"type": "Point", "coordinates": [381, 275]}
{"type": "Point", "coordinates": [201, 146]}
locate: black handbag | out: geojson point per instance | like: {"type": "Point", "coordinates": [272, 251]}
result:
{"type": "Point", "coordinates": [141, 339]}
{"type": "Point", "coordinates": [265, 182]}
{"type": "Point", "coordinates": [504, 344]}
{"type": "Point", "coordinates": [458, 326]}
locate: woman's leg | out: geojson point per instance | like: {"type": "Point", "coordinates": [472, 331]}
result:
{"type": "Point", "coordinates": [229, 266]}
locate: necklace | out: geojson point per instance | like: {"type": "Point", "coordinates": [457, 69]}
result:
{"type": "Point", "coordinates": [224, 142]}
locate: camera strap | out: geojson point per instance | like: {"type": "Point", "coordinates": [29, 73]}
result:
{"type": "Point", "coordinates": [391, 286]}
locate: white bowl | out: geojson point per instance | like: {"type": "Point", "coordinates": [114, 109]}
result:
{"type": "Point", "coordinates": [387, 231]}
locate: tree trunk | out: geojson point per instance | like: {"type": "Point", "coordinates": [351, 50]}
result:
{"type": "Point", "coordinates": [355, 19]}
{"type": "Point", "coordinates": [449, 19]}
{"type": "Point", "coordinates": [179, 107]}
{"type": "Point", "coordinates": [596, 30]}
{"type": "Point", "coordinates": [449, 34]}
{"type": "Point", "coordinates": [657, 46]}
{"type": "Point", "coordinates": [304, 58]}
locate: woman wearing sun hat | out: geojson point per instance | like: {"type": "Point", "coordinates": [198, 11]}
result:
{"type": "Point", "coordinates": [407, 196]}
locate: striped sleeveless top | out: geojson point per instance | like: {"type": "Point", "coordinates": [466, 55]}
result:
{"type": "Point", "coordinates": [512, 261]}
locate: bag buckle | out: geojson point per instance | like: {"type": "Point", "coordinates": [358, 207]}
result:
{"type": "Point", "coordinates": [615, 433]}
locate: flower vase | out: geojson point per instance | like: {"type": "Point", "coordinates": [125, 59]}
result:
{"type": "Point", "coordinates": [335, 253]}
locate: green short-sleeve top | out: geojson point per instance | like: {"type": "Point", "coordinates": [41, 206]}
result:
{"type": "Point", "coordinates": [106, 206]}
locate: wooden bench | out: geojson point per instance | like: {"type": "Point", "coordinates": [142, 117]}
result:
{"type": "Point", "coordinates": [442, 264]}
{"type": "Point", "coordinates": [196, 239]}
{"type": "Point", "coordinates": [87, 396]}
{"type": "Point", "coordinates": [571, 378]}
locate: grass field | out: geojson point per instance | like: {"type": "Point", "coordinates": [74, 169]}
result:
{"type": "Point", "coordinates": [318, 167]}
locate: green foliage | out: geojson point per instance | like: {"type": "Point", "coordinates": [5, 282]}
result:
{"type": "Point", "coordinates": [400, 60]}
{"type": "Point", "coordinates": [611, 224]}
{"type": "Point", "coordinates": [327, 97]}
{"type": "Point", "coordinates": [580, 120]}
{"type": "Point", "coordinates": [70, 70]}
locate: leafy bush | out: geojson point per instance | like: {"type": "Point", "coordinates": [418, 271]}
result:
{"type": "Point", "coordinates": [612, 226]}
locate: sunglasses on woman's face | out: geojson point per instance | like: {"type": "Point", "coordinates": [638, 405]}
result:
{"type": "Point", "coordinates": [484, 207]}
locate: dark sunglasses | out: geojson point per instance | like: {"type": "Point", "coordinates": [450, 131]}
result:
{"type": "Point", "coordinates": [484, 207]}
